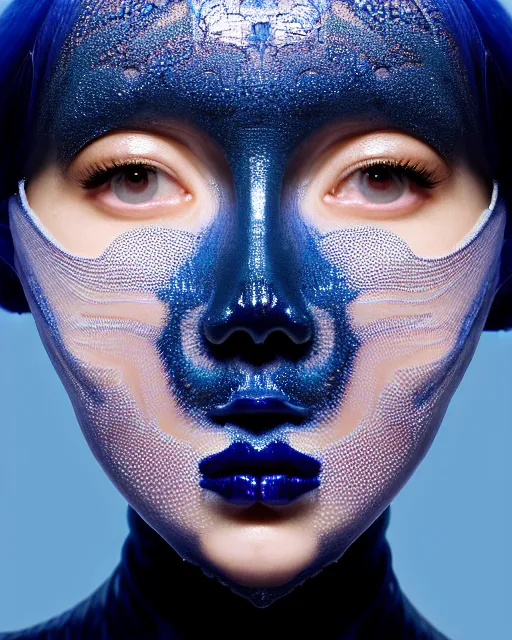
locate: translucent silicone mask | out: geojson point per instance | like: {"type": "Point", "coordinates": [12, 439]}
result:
{"type": "Point", "coordinates": [392, 336]}
{"type": "Point", "coordinates": [258, 362]}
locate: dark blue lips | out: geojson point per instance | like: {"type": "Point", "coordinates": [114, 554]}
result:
{"type": "Point", "coordinates": [276, 475]}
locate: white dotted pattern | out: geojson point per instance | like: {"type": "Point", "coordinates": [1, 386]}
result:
{"type": "Point", "coordinates": [417, 319]}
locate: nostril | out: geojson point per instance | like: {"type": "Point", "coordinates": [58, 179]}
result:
{"type": "Point", "coordinates": [258, 310]}
{"type": "Point", "coordinates": [259, 328]}
{"type": "Point", "coordinates": [277, 344]}
{"type": "Point", "coordinates": [259, 413]}
{"type": "Point", "coordinates": [259, 322]}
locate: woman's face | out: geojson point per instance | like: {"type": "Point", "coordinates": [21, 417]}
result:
{"type": "Point", "coordinates": [260, 255]}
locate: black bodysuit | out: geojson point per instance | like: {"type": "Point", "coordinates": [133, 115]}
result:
{"type": "Point", "coordinates": [154, 595]}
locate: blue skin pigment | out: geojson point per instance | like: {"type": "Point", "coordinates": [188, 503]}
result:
{"type": "Point", "coordinates": [259, 91]}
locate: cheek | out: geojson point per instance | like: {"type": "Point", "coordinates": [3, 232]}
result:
{"type": "Point", "coordinates": [417, 323]}
{"type": "Point", "coordinates": [439, 221]}
{"type": "Point", "coordinates": [63, 207]}
{"type": "Point", "coordinates": [101, 321]}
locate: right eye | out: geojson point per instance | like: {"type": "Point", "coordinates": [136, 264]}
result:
{"type": "Point", "coordinates": [134, 184]}
{"type": "Point", "coordinates": [386, 184]}
{"type": "Point", "coordinates": [380, 184]}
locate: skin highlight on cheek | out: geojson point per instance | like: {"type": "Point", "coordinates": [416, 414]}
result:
{"type": "Point", "coordinates": [418, 222]}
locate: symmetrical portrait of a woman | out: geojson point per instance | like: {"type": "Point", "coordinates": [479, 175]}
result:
{"type": "Point", "coordinates": [260, 241]}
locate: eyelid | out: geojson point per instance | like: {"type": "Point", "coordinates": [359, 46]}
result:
{"type": "Point", "coordinates": [404, 164]}
{"type": "Point", "coordinates": [169, 155]}
{"type": "Point", "coordinates": [340, 159]}
{"type": "Point", "coordinates": [418, 172]}
{"type": "Point", "coordinates": [386, 144]}
{"type": "Point", "coordinates": [110, 166]}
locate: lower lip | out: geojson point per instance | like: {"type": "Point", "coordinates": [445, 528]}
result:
{"type": "Point", "coordinates": [270, 489]}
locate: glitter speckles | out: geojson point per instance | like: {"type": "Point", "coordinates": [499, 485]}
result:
{"type": "Point", "coordinates": [393, 335]}
{"type": "Point", "coordinates": [291, 65]}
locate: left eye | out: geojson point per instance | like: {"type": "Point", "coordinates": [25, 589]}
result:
{"type": "Point", "coordinates": [379, 184]}
{"type": "Point", "coordinates": [382, 184]}
{"type": "Point", "coordinates": [139, 185]}
{"type": "Point", "coordinates": [135, 185]}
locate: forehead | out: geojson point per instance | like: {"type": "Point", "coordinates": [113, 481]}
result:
{"type": "Point", "coordinates": [228, 65]}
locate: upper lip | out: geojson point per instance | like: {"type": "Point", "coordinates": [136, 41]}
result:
{"type": "Point", "coordinates": [273, 409]}
{"type": "Point", "coordinates": [276, 458]}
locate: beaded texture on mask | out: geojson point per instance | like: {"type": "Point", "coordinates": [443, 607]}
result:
{"type": "Point", "coordinates": [416, 322]}
{"type": "Point", "coordinates": [392, 331]}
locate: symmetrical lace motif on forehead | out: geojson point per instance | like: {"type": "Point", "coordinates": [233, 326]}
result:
{"type": "Point", "coordinates": [246, 24]}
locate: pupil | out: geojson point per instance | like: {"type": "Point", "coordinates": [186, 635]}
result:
{"type": "Point", "coordinates": [135, 185]}
{"type": "Point", "coordinates": [136, 176]}
{"type": "Point", "coordinates": [380, 174]}
{"type": "Point", "coordinates": [382, 184]}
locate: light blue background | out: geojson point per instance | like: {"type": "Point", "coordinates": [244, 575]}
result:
{"type": "Point", "coordinates": [62, 523]}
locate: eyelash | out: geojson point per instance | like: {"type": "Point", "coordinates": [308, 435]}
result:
{"type": "Point", "coordinates": [99, 174]}
{"type": "Point", "coordinates": [417, 172]}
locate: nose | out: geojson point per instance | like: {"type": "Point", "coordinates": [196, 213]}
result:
{"type": "Point", "coordinates": [257, 282]}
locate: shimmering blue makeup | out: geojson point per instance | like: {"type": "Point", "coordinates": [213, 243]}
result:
{"type": "Point", "coordinates": [258, 81]}
{"type": "Point", "coordinates": [275, 475]}
{"type": "Point", "coordinates": [142, 63]}
{"type": "Point", "coordinates": [257, 311]}
{"type": "Point", "coordinates": [258, 360]}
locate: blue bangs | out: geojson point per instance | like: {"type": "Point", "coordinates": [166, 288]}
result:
{"type": "Point", "coordinates": [482, 30]}
{"type": "Point", "coordinates": [32, 33]}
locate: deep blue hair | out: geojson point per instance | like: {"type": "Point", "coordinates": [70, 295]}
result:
{"type": "Point", "coordinates": [32, 33]}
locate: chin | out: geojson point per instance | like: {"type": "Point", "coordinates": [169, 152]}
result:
{"type": "Point", "coordinates": [260, 555]}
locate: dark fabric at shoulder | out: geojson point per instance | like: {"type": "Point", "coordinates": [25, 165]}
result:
{"type": "Point", "coordinates": [106, 614]}
{"type": "Point", "coordinates": [154, 595]}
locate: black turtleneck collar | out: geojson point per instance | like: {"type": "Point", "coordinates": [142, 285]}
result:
{"type": "Point", "coordinates": [154, 595]}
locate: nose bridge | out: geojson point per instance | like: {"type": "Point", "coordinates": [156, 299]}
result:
{"type": "Point", "coordinates": [257, 287]}
{"type": "Point", "coordinates": [258, 203]}
{"type": "Point", "coordinates": [258, 190]}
